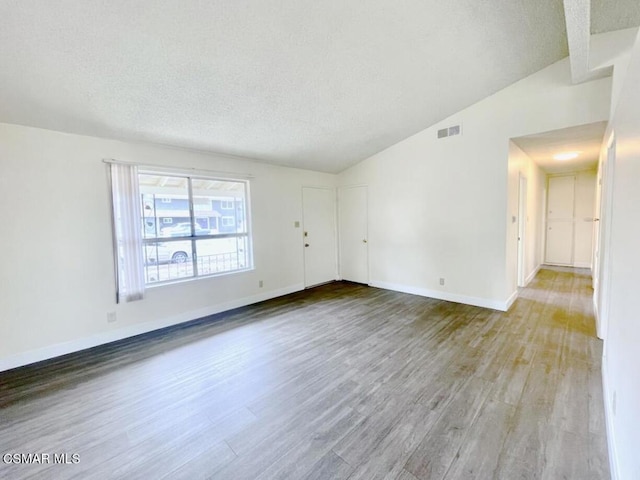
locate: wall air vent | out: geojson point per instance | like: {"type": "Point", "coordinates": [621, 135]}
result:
{"type": "Point", "coordinates": [449, 131]}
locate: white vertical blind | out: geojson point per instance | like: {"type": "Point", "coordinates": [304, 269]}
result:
{"type": "Point", "coordinates": [127, 215]}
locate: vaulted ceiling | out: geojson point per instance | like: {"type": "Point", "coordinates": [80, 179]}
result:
{"type": "Point", "coordinates": [309, 84]}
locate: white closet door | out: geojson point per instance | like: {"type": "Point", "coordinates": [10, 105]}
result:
{"type": "Point", "coordinates": [560, 220]}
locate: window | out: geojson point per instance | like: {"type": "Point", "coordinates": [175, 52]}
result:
{"type": "Point", "coordinates": [193, 244]}
{"type": "Point", "coordinates": [226, 204]}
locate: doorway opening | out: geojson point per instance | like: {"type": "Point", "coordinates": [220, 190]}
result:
{"type": "Point", "coordinates": [553, 190]}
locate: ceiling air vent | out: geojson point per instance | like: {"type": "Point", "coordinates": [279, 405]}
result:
{"type": "Point", "coordinates": [449, 131]}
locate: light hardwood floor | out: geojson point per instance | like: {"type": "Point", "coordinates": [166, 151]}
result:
{"type": "Point", "coordinates": [341, 381]}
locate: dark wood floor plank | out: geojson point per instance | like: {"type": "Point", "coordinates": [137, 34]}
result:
{"type": "Point", "coordinates": [596, 400]}
{"type": "Point", "coordinates": [598, 457]}
{"type": "Point", "coordinates": [389, 455]}
{"type": "Point", "coordinates": [435, 454]}
{"type": "Point", "coordinates": [197, 467]}
{"type": "Point", "coordinates": [565, 452]}
{"type": "Point", "coordinates": [329, 467]}
{"type": "Point", "coordinates": [305, 454]}
{"type": "Point", "coordinates": [571, 402]}
{"type": "Point", "coordinates": [339, 381]}
{"type": "Point", "coordinates": [479, 454]}
{"type": "Point", "coordinates": [510, 383]}
{"type": "Point", "coordinates": [404, 475]}
{"type": "Point", "coordinates": [286, 423]}
{"type": "Point", "coordinates": [269, 454]}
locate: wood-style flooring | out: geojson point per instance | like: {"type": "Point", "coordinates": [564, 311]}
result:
{"type": "Point", "coordinates": [342, 381]}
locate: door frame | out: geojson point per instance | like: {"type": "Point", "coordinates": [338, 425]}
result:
{"type": "Point", "coordinates": [602, 293]}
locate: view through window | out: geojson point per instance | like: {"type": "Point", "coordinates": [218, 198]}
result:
{"type": "Point", "coordinates": [193, 226]}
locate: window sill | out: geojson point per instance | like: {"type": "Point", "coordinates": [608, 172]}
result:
{"type": "Point", "coordinates": [200, 277]}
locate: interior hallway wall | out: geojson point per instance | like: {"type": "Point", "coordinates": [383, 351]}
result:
{"type": "Point", "coordinates": [440, 208]}
{"type": "Point", "coordinates": [622, 337]}
{"type": "Point", "coordinates": [521, 164]}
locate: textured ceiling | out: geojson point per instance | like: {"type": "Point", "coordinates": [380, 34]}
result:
{"type": "Point", "coordinates": [311, 84]}
{"type": "Point", "coordinates": [608, 15]}
{"type": "Point", "coordinates": [584, 139]}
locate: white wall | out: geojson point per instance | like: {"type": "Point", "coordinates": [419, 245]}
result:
{"type": "Point", "coordinates": [57, 279]}
{"type": "Point", "coordinates": [438, 208]}
{"type": "Point", "coordinates": [621, 365]}
{"type": "Point", "coordinates": [521, 164]}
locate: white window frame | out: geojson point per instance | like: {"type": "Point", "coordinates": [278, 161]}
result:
{"type": "Point", "coordinates": [245, 234]}
{"type": "Point", "coordinates": [225, 221]}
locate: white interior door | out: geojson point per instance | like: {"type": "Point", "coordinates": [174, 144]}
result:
{"type": "Point", "coordinates": [320, 256]}
{"type": "Point", "coordinates": [560, 220]}
{"type": "Point", "coordinates": [354, 247]}
{"type": "Point", "coordinates": [559, 243]}
{"type": "Point", "coordinates": [522, 230]}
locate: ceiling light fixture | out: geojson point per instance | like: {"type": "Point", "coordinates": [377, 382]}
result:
{"type": "Point", "coordinates": [565, 156]}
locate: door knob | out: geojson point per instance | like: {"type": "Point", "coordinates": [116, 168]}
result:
{"type": "Point", "coordinates": [364, 240]}
{"type": "Point", "coordinates": [306, 244]}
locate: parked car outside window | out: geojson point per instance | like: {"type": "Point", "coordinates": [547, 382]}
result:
{"type": "Point", "coordinates": [183, 230]}
{"type": "Point", "coordinates": [180, 252]}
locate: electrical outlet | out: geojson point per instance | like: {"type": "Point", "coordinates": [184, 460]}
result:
{"type": "Point", "coordinates": [441, 281]}
{"type": "Point", "coordinates": [111, 317]}
{"type": "Point", "coordinates": [260, 284]}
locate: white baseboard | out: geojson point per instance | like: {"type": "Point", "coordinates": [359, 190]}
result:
{"type": "Point", "coordinates": [596, 314]}
{"type": "Point", "coordinates": [608, 415]}
{"type": "Point", "coordinates": [512, 298]}
{"type": "Point", "coordinates": [582, 265]}
{"type": "Point", "coordinates": [450, 297]}
{"type": "Point", "coordinates": [532, 275]}
{"type": "Point", "coordinates": [52, 351]}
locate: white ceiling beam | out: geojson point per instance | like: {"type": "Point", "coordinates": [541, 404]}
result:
{"type": "Point", "coordinates": [577, 15]}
